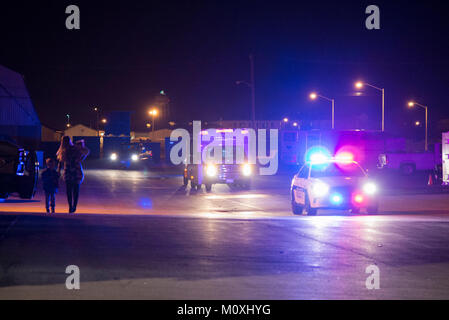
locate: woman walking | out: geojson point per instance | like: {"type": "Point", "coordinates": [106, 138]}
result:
{"type": "Point", "coordinates": [70, 157]}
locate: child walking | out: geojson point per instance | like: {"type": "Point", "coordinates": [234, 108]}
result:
{"type": "Point", "coordinates": [50, 179]}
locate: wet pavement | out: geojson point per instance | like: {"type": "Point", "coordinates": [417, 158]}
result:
{"type": "Point", "coordinates": [139, 234]}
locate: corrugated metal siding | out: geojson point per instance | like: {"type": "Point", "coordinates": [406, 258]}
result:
{"type": "Point", "coordinates": [16, 107]}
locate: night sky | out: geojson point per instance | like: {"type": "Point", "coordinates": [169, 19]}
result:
{"type": "Point", "coordinates": [127, 51]}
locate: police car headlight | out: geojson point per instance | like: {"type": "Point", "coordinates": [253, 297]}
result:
{"type": "Point", "coordinates": [134, 157]}
{"type": "Point", "coordinates": [320, 189]}
{"type": "Point", "coordinates": [211, 170]}
{"type": "Point", "coordinates": [113, 156]}
{"type": "Point", "coordinates": [246, 169]}
{"type": "Point", "coordinates": [369, 188]}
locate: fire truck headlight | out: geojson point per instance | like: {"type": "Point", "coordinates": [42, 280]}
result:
{"type": "Point", "coordinates": [320, 189]}
{"type": "Point", "coordinates": [134, 157]}
{"type": "Point", "coordinates": [113, 156]}
{"type": "Point", "coordinates": [211, 170]}
{"type": "Point", "coordinates": [369, 188]}
{"type": "Point", "coordinates": [246, 169]}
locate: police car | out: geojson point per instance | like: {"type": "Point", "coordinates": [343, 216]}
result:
{"type": "Point", "coordinates": [333, 183]}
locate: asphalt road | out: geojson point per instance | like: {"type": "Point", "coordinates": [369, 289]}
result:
{"type": "Point", "coordinates": [140, 235]}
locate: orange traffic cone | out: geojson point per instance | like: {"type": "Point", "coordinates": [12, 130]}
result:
{"type": "Point", "coordinates": [430, 181]}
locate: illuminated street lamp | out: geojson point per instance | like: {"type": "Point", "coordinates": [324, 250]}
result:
{"type": "Point", "coordinates": [97, 111]}
{"type": "Point", "coordinates": [104, 120]}
{"type": "Point", "coordinates": [153, 113]}
{"type": "Point", "coordinates": [360, 84]}
{"type": "Point", "coordinates": [68, 120]}
{"type": "Point", "coordinates": [285, 120]}
{"type": "Point", "coordinates": [411, 104]}
{"type": "Point", "coordinates": [314, 96]}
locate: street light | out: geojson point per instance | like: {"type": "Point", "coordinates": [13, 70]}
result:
{"type": "Point", "coordinates": [252, 86]}
{"type": "Point", "coordinates": [68, 120]}
{"type": "Point", "coordinates": [314, 96]}
{"type": "Point", "coordinates": [360, 84]}
{"type": "Point", "coordinates": [104, 120]}
{"type": "Point", "coordinates": [285, 120]}
{"type": "Point", "coordinates": [97, 111]}
{"type": "Point", "coordinates": [411, 104]}
{"type": "Point", "coordinates": [153, 113]}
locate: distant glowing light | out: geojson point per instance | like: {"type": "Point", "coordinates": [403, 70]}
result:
{"type": "Point", "coordinates": [146, 203]}
{"type": "Point", "coordinates": [134, 157]}
{"type": "Point", "coordinates": [285, 119]}
{"type": "Point", "coordinates": [411, 104]}
{"type": "Point", "coordinates": [417, 123]}
{"type": "Point", "coordinates": [313, 96]}
{"type": "Point", "coordinates": [359, 84]}
{"type": "Point", "coordinates": [113, 156]}
{"type": "Point", "coordinates": [295, 124]}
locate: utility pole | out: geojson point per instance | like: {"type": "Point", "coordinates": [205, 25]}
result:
{"type": "Point", "coordinates": [253, 91]}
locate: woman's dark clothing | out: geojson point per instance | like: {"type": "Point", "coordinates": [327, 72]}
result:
{"type": "Point", "coordinates": [73, 172]}
{"type": "Point", "coordinates": [73, 191]}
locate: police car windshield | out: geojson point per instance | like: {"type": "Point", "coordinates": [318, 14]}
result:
{"type": "Point", "coordinates": [333, 169]}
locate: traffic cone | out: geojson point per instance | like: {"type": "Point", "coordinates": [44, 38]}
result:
{"type": "Point", "coordinates": [430, 181]}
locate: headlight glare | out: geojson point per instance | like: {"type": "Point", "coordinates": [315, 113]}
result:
{"type": "Point", "coordinates": [113, 156]}
{"type": "Point", "coordinates": [369, 188]}
{"type": "Point", "coordinates": [320, 189]}
{"type": "Point", "coordinates": [246, 170]}
{"type": "Point", "coordinates": [211, 170]}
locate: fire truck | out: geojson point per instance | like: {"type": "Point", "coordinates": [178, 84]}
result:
{"type": "Point", "coordinates": [235, 174]}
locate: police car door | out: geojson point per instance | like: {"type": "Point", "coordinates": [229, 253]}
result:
{"type": "Point", "coordinates": [299, 185]}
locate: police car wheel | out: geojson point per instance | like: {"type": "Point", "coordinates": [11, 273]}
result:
{"type": "Point", "coordinates": [296, 208]}
{"type": "Point", "coordinates": [208, 187]}
{"type": "Point", "coordinates": [309, 210]}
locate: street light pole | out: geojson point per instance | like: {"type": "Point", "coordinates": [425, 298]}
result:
{"type": "Point", "coordinates": [98, 121]}
{"type": "Point", "coordinates": [253, 91]}
{"type": "Point", "coordinates": [333, 114]}
{"type": "Point", "coordinates": [360, 84]}
{"type": "Point", "coordinates": [411, 104]}
{"type": "Point", "coordinates": [252, 86]}
{"type": "Point", "coordinates": [314, 95]}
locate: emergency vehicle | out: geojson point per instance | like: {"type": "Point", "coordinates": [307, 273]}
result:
{"type": "Point", "coordinates": [235, 175]}
{"type": "Point", "coordinates": [19, 171]}
{"type": "Point", "coordinates": [332, 183]}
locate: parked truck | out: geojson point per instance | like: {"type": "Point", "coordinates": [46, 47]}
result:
{"type": "Point", "coordinates": [409, 162]}
{"type": "Point", "coordinates": [18, 171]}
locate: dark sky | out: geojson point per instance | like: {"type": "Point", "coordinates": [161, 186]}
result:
{"type": "Point", "coordinates": [127, 51]}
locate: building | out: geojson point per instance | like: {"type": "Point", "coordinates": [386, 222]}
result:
{"type": "Point", "coordinates": [18, 118]}
{"type": "Point", "coordinates": [80, 130]}
{"type": "Point", "coordinates": [50, 135]}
